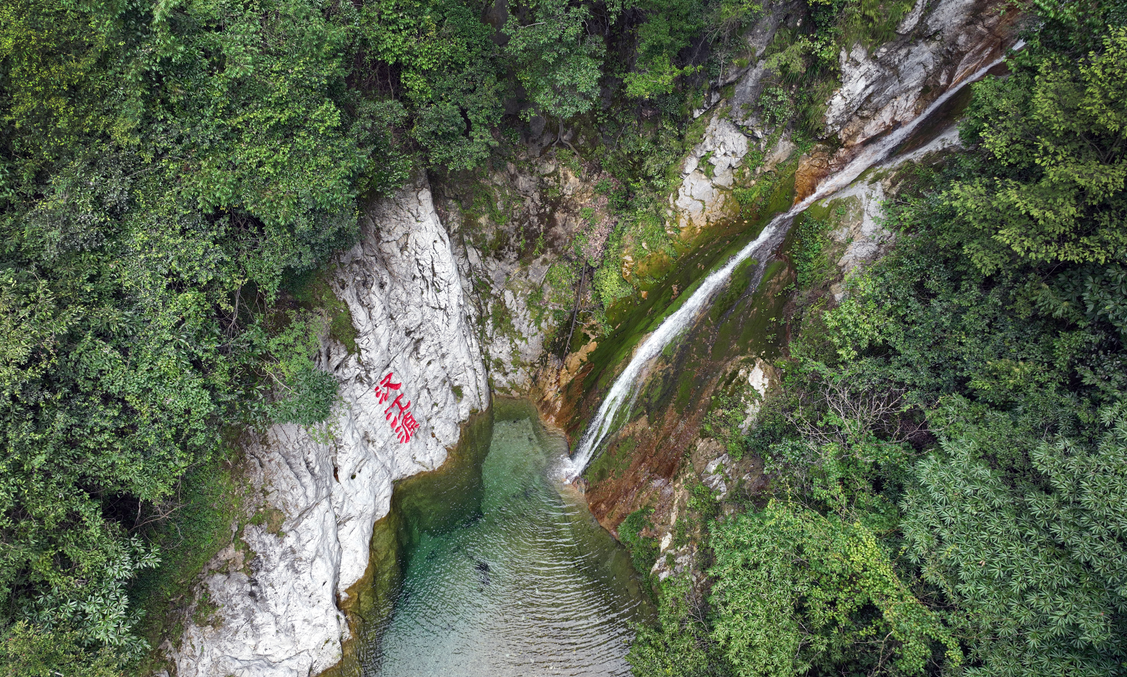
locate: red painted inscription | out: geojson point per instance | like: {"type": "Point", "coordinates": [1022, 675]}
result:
{"type": "Point", "coordinates": [398, 413]}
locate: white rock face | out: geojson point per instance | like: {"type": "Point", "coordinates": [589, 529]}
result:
{"type": "Point", "coordinates": [715, 475]}
{"type": "Point", "coordinates": [277, 614]}
{"type": "Point", "coordinates": [402, 286]}
{"type": "Point", "coordinates": [708, 173]}
{"type": "Point", "coordinates": [759, 378]}
{"type": "Point", "coordinates": [909, 22]}
{"type": "Point", "coordinates": [861, 232]}
{"type": "Point", "coordinates": [890, 87]}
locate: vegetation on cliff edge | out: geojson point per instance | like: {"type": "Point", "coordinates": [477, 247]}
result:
{"type": "Point", "coordinates": [170, 176]}
{"type": "Point", "coordinates": [948, 450]}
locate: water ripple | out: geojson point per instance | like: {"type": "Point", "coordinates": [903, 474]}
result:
{"type": "Point", "coordinates": [534, 587]}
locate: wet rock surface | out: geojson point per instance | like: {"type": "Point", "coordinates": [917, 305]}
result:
{"type": "Point", "coordinates": [937, 46]}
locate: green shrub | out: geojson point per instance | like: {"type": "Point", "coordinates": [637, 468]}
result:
{"type": "Point", "coordinates": [609, 283]}
{"type": "Point", "coordinates": [643, 550]}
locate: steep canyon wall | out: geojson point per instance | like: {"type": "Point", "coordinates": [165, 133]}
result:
{"type": "Point", "coordinates": [456, 300]}
{"type": "Point", "coordinates": [276, 601]}
{"type": "Point", "coordinates": [937, 46]}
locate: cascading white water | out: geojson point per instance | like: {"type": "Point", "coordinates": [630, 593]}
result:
{"type": "Point", "coordinates": [673, 325]}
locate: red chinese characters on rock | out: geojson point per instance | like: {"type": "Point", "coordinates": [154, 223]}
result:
{"type": "Point", "coordinates": [398, 414]}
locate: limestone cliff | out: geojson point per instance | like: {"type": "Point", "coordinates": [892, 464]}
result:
{"type": "Point", "coordinates": [454, 306]}
{"type": "Point", "coordinates": [538, 207]}
{"type": "Point", "coordinates": [940, 44]}
{"type": "Point", "coordinates": [268, 605]}
{"type": "Point", "coordinates": [937, 47]}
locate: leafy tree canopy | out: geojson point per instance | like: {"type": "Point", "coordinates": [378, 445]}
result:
{"type": "Point", "coordinates": [162, 168]}
{"type": "Point", "coordinates": [558, 57]}
{"type": "Point", "coordinates": [948, 454]}
{"type": "Point", "coordinates": [447, 68]}
{"type": "Point", "coordinates": [1057, 132]}
{"type": "Point", "coordinates": [797, 592]}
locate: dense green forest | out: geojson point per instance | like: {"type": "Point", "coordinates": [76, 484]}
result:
{"type": "Point", "coordinates": [171, 172]}
{"type": "Point", "coordinates": [948, 450]}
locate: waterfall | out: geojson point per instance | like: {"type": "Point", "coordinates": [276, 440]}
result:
{"type": "Point", "coordinates": [625, 385]}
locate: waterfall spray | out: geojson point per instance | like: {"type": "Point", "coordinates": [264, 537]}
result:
{"type": "Point", "coordinates": [673, 325]}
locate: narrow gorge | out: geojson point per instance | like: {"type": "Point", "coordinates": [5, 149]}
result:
{"type": "Point", "coordinates": [458, 325]}
{"type": "Point", "coordinates": [499, 338]}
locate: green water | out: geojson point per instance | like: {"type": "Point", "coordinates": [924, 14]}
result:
{"type": "Point", "coordinates": [527, 584]}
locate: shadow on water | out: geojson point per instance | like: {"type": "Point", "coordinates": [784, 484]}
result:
{"type": "Point", "coordinates": [499, 570]}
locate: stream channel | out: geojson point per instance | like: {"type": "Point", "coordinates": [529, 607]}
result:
{"type": "Point", "coordinates": [490, 566]}
{"type": "Point", "coordinates": [525, 582]}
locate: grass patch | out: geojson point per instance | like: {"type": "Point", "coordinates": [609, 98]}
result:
{"type": "Point", "coordinates": [811, 249]}
{"type": "Point", "coordinates": [872, 22]}
{"type": "Point", "coordinates": [207, 611]}
{"type": "Point", "coordinates": [311, 291]}
{"type": "Point", "coordinates": [486, 204]}
{"type": "Point", "coordinates": [772, 193]}
{"type": "Point", "coordinates": [685, 389]}
{"type": "Point", "coordinates": [270, 517]}
{"type": "Point", "coordinates": [612, 462]}
{"type": "Point", "coordinates": [501, 319]}
{"type": "Point", "coordinates": [211, 502]}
